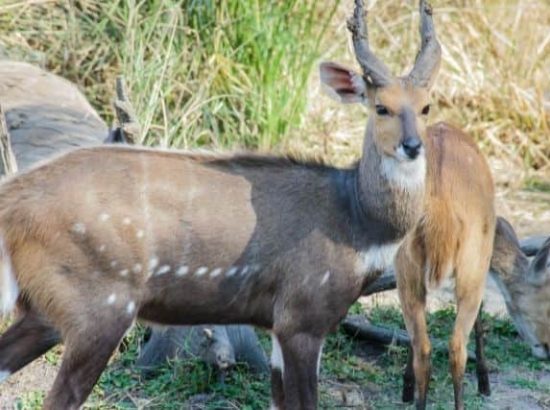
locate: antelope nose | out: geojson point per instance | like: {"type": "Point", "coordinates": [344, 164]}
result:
{"type": "Point", "coordinates": [412, 146]}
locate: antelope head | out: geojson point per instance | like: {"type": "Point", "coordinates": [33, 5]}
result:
{"type": "Point", "coordinates": [398, 105]}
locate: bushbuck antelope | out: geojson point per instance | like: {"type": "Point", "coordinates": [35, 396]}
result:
{"type": "Point", "coordinates": [525, 287]}
{"type": "Point", "coordinates": [103, 236]}
{"type": "Point", "coordinates": [454, 237]}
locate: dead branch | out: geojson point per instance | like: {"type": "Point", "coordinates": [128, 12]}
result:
{"type": "Point", "coordinates": [129, 130]}
{"type": "Point", "coordinates": [8, 163]}
{"type": "Point", "coordinates": [358, 326]}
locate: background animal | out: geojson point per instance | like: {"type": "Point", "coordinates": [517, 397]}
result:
{"type": "Point", "coordinates": [220, 346]}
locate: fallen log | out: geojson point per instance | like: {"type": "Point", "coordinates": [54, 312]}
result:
{"type": "Point", "coordinates": [358, 326]}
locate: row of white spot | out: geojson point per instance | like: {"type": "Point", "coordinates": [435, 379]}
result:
{"type": "Point", "coordinates": [201, 271]}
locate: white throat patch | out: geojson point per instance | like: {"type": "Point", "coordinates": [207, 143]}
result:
{"type": "Point", "coordinates": [405, 174]}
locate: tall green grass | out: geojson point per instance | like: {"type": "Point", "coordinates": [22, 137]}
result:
{"type": "Point", "coordinates": [218, 73]}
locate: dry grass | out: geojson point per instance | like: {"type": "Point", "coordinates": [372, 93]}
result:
{"type": "Point", "coordinates": [493, 82]}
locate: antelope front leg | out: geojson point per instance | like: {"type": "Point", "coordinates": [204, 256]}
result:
{"type": "Point", "coordinates": [277, 369]}
{"type": "Point", "coordinates": [299, 369]}
{"type": "Point", "coordinates": [412, 295]}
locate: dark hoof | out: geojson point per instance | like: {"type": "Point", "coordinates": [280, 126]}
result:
{"type": "Point", "coordinates": [408, 393]}
{"type": "Point", "coordinates": [483, 385]}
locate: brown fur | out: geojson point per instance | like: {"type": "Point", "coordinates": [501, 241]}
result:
{"type": "Point", "coordinates": [453, 239]}
{"type": "Point", "coordinates": [76, 227]}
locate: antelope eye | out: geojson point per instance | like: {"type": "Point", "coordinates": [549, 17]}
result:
{"type": "Point", "coordinates": [381, 110]}
{"type": "Point", "coordinates": [426, 110]}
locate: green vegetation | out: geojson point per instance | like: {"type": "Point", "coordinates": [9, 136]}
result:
{"type": "Point", "coordinates": [201, 73]}
{"type": "Point", "coordinates": [240, 74]}
{"type": "Point", "coordinates": [353, 373]}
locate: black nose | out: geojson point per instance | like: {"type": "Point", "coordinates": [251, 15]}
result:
{"type": "Point", "coordinates": [411, 146]}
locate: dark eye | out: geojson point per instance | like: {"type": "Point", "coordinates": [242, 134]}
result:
{"type": "Point", "coordinates": [426, 110]}
{"type": "Point", "coordinates": [381, 110]}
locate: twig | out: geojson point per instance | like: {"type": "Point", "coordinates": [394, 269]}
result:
{"type": "Point", "coordinates": [129, 128]}
{"type": "Point", "coordinates": [9, 165]}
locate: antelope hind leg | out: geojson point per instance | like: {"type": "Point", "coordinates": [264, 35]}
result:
{"type": "Point", "coordinates": [24, 341]}
{"type": "Point", "coordinates": [483, 385]}
{"type": "Point", "coordinates": [87, 353]}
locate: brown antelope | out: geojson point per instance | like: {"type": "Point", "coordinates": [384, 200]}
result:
{"type": "Point", "coordinates": [454, 237]}
{"type": "Point", "coordinates": [525, 287]}
{"type": "Point", "coordinates": [103, 236]}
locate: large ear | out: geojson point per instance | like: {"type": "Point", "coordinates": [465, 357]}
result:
{"type": "Point", "coordinates": [345, 85]}
{"type": "Point", "coordinates": [539, 270]}
{"type": "Point", "coordinates": [209, 333]}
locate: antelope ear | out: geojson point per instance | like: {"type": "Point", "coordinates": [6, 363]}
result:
{"type": "Point", "coordinates": [208, 333]}
{"type": "Point", "coordinates": [539, 270]}
{"type": "Point", "coordinates": [343, 84]}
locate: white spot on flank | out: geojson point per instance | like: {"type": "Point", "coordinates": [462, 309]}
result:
{"type": "Point", "coordinates": [126, 221]}
{"type": "Point", "coordinates": [131, 307]}
{"type": "Point", "coordinates": [137, 268]}
{"type": "Point", "coordinates": [102, 248]}
{"type": "Point", "coordinates": [79, 228]}
{"type": "Point", "coordinates": [153, 263]}
{"type": "Point", "coordinates": [245, 270]}
{"type": "Point", "coordinates": [215, 272]}
{"type": "Point", "coordinates": [104, 217]}
{"type": "Point", "coordinates": [9, 291]}
{"type": "Point", "coordinates": [124, 272]}
{"type": "Point", "coordinates": [231, 271]}
{"type": "Point", "coordinates": [163, 269]}
{"type": "Point", "coordinates": [111, 299]}
{"type": "Point", "coordinates": [277, 361]}
{"type": "Point", "coordinates": [182, 270]}
{"type": "Point", "coordinates": [326, 276]}
{"type": "Point", "coordinates": [201, 271]}
{"type": "Point", "coordinates": [405, 174]}
{"type": "Point", "coordinates": [114, 264]}
{"type": "Point", "coordinates": [140, 234]}
{"type": "Point", "coordinates": [376, 258]}
{"type": "Point", "coordinates": [4, 375]}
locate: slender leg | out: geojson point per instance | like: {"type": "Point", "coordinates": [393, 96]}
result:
{"type": "Point", "coordinates": [412, 295]}
{"type": "Point", "coordinates": [408, 379]}
{"type": "Point", "coordinates": [277, 371]}
{"type": "Point", "coordinates": [86, 355]}
{"type": "Point", "coordinates": [482, 371]}
{"type": "Point", "coordinates": [469, 292]}
{"type": "Point", "coordinates": [24, 341]}
{"type": "Point", "coordinates": [301, 357]}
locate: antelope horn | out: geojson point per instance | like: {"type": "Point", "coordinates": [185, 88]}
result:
{"type": "Point", "coordinates": [428, 58]}
{"type": "Point", "coordinates": [372, 67]}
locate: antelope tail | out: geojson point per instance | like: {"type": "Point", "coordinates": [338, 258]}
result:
{"type": "Point", "coordinates": [9, 290]}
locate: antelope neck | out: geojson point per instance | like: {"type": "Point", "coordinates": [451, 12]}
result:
{"type": "Point", "coordinates": [383, 211]}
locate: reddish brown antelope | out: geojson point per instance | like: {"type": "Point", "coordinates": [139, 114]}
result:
{"type": "Point", "coordinates": [454, 237]}
{"type": "Point", "coordinates": [103, 236]}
